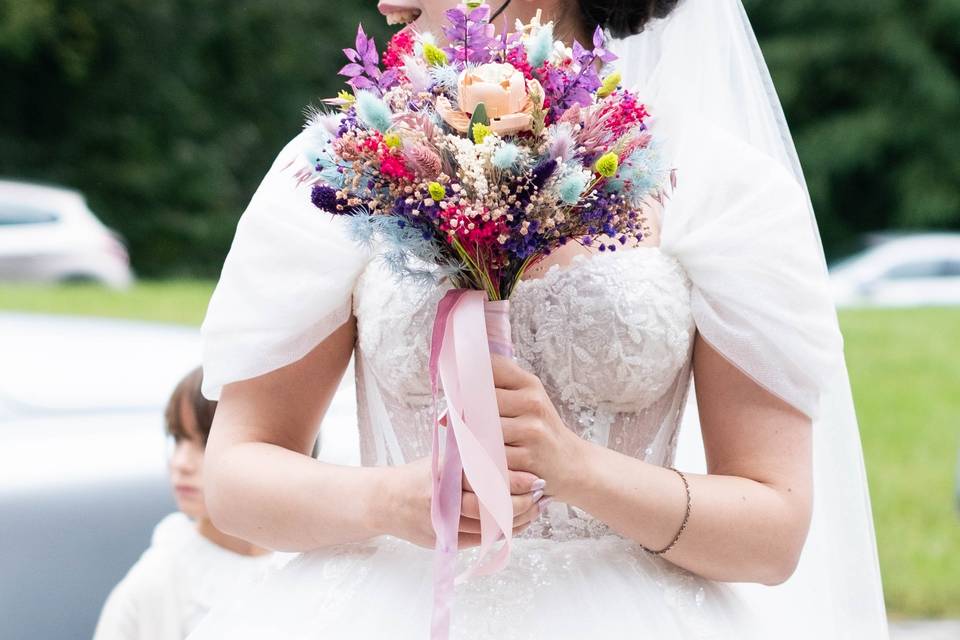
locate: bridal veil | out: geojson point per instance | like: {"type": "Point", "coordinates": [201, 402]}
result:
{"type": "Point", "coordinates": [761, 294]}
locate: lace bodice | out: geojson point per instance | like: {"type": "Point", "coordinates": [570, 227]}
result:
{"type": "Point", "coordinates": [610, 336]}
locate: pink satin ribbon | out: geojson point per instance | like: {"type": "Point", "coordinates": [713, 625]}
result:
{"type": "Point", "coordinates": [473, 443]}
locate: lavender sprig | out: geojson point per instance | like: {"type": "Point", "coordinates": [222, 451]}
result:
{"type": "Point", "coordinates": [364, 66]}
{"type": "Point", "coordinates": [469, 36]}
{"type": "Point", "coordinates": [563, 90]}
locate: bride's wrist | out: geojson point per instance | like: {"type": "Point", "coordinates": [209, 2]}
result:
{"type": "Point", "coordinates": [383, 502]}
{"type": "Point", "coordinates": [401, 500]}
{"type": "Point", "coordinates": [579, 475]}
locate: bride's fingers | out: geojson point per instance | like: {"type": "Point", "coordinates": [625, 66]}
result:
{"type": "Point", "coordinates": [467, 540]}
{"type": "Point", "coordinates": [507, 374]}
{"type": "Point", "coordinates": [472, 525]}
{"type": "Point", "coordinates": [527, 516]}
{"type": "Point", "coordinates": [513, 429]}
{"type": "Point", "coordinates": [512, 403]}
{"type": "Point", "coordinates": [517, 457]}
{"type": "Point", "coordinates": [520, 482]}
{"type": "Point", "coordinates": [468, 525]}
{"type": "Point", "coordinates": [470, 505]}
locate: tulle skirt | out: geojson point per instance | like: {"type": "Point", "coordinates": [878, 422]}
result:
{"type": "Point", "coordinates": [582, 588]}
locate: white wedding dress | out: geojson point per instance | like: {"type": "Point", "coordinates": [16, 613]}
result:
{"type": "Point", "coordinates": [611, 337]}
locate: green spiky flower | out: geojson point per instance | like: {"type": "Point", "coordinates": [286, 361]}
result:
{"type": "Point", "coordinates": [348, 99]}
{"type": "Point", "coordinates": [609, 85]}
{"type": "Point", "coordinates": [608, 164]}
{"type": "Point", "coordinates": [480, 132]}
{"type": "Point", "coordinates": [434, 55]}
{"type": "Point", "coordinates": [437, 191]}
{"type": "Point", "coordinates": [392, 140]}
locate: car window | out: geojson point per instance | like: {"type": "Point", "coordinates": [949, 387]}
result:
{"type": "Point", "coordinates": [920, 269]}
{"type": "Point", "coordinates": [16, 214]}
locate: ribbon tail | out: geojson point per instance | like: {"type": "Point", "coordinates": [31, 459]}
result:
{"type": "Point", "coordinates": [460, 358]}
{"type": "Point", "coordinates": [447, 490]}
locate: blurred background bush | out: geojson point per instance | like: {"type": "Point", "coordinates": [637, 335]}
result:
{"type": "Point", "coordinates": [167, 113]}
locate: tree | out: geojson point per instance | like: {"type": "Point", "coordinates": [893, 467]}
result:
{"type": "Point", "coordinates": [872, 93]}
{"type": "Point", "coordinates": [165, 113]}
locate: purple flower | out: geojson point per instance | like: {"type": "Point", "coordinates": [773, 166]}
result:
{"type": "Point", "coordinates": [542, 172]}
{"type": "Point", "coordinates": [565, 88]}
{"type": "Point", "coordinates": [469, 35]}
{"type": "Point", "coordinates": [364, 66]}
{"type": "Point", "coordinates": [324, 197]}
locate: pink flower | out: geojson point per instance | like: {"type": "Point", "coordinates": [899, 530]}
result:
{"type": "Point", "coordinates": [394, 167]}
{"type": "Point", "coordinates": [400, 45]}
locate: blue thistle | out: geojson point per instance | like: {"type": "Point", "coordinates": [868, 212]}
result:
{"type": "Point", "coordinates": [446, 78]}
{"type": "Point", "coordinates": [571, 186]}
{"type": "Point", "coordinates": [539, 46]}
{"type": "Point", "coordinates": [373, 111]}
{"type": "Point", "coordinates": [506, 156]}
{"type": "Point", "coordinates": [639, 176]}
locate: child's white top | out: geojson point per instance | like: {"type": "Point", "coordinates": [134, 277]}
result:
{"type": "Point", "coordinates": [175, 583]}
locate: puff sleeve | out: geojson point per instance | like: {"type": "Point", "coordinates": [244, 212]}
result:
{"type": "Point", "coordinates": [740, 225]}
{"type": "Point", "coordinates": [287, 281]}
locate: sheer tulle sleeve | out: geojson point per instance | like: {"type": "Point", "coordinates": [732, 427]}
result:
{"type": "Point", "coordinates": [287, 282]}
{"type": "Point", "coordinates": [739, 224]}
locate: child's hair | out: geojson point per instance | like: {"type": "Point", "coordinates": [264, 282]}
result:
{"type": "Point", "coordinates": [188, 391]}
{"type": "Point", "coordinates": [188, 394]}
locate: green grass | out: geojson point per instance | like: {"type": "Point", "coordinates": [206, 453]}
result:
{"type": "Point", "coordinates": [905, 370]}
{"type": "Point", "coordinates": [176, 301]}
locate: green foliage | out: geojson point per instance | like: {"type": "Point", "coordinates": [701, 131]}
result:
{"type": "Point", "coordinates": [165, 113]}
{"type": "Point", "coordinates": [168, 113]}
{"type": "Point", "coordinates": [872, 92]}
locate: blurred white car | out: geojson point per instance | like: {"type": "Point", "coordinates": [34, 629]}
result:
{"type": "Point", "coordinates": [49, 234]}
{"type": "Point", "coordinates": [907, 271]}
{"type": "Point", "coordinates": [83, 470]}
{"type": "Point", "coordinates": [83, 476]}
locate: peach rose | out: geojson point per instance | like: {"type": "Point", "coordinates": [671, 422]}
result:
{"type": "Point", "coordinates": [500, 87]}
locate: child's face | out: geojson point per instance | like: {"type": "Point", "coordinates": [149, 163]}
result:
{"type": "Point", "coordinates": [186, 467]}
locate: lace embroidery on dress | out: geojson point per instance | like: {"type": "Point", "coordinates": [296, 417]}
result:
{"type": "Point", "coordinates": [610, 336]}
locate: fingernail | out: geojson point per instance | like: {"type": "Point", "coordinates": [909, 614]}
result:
{"type": "Point", "coordinates": [537, 494]}
{"type": "Point", "coordinates": [539, 483]}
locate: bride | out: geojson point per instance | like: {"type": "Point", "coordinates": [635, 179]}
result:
{"type": "Point", "coordinates": [727, 304]}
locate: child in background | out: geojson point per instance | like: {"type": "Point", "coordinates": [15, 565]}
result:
{"type": "Point", "coordinates": [190, 565]}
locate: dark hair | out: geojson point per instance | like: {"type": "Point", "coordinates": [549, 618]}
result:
{"type": "Point", "coordinates": [624, 17]}
{"type": "Point", "coordinates": [187, 394]}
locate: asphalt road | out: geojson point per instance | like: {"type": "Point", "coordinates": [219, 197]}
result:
{"type": "Point", "coordinates": [925, 630]}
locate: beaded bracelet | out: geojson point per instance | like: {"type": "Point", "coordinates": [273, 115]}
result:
{"type": "Point", "coordinates": [683, 525]}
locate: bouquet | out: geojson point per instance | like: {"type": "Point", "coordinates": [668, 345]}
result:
{"type": "Point", "coordinates": [472, 161]}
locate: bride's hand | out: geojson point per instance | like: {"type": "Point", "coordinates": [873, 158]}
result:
{"type": "Point", "coordinates": [526, 491]}
{"type": "Point", "coordinates": [536, 438]}
{"type": "Point", "coordinates": [408, 516]}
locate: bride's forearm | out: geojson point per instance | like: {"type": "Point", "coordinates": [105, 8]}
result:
{"type": "Point", "coordinates": [739, 530]}
{"type": "Point", "coordinates": [286, 501]}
